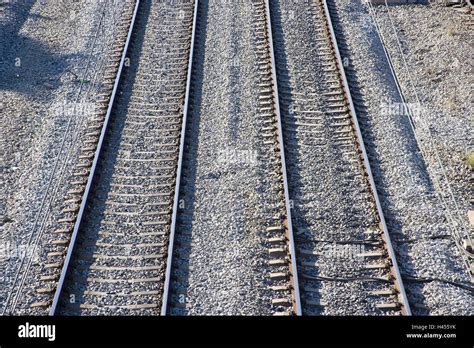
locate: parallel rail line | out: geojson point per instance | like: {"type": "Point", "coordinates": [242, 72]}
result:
{"type": "Point", "coordinates": [333, 129]}
{"type": "Point", "coordinates": [121, 257]}
{"type": "Point", "coordinates": [164, 304]}
{"type": "Point", "coordinates": [289, 224]}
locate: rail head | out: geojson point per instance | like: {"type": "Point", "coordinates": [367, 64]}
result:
{"type": "Point", "coordinates": [85, 196]}
{"type": "Point", "coordinates": [386, 236]}
{"type": "Point", "coordinates": [294, 270]}
{"type": "Point", "coordinates": [169, 262]}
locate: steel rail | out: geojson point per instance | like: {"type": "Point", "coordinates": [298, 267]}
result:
{"type": "Point", "coordinates": [294, 270]}
{"type": "Point", "coordinates": [386, 236]}
{"type": "Point", "coordinates": [85, 196]}
{"type": "Point", "coordinates": [169, 262]}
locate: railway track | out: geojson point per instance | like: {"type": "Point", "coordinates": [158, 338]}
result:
{"type": "Point", "coordinates": [117, 266]}
{"type": "Point", "coordinates": [178, 210]}
{"type": "Point", "coordinates": [346, 262]}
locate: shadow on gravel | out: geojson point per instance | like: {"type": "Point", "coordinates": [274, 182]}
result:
{"type": "Point", "coordinates": [28, 66]}
{"type": "Point", "coordinates": [37, 16]}
{"type": "Point", "coordinates": [101, 185]}
{"type": "Point", "coordinates": [380, 176]}
{"type": "Point", "coordinates": [17, 12]}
